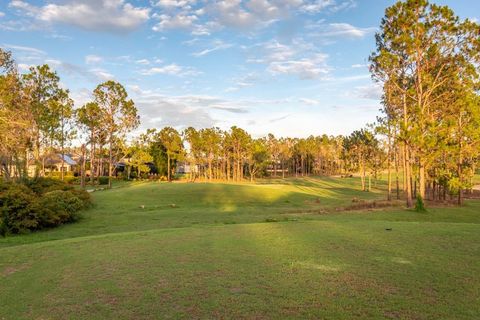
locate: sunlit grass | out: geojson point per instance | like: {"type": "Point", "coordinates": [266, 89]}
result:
{"type": "Point", "coordinates": [207, 251]}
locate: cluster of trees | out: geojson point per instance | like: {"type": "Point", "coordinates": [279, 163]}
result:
{"type": "Point", "coordinates": [427, 61]}
{"type": "Point", "coordinates": [215, 154]}
{"type": "Point", "coordinates": [37, 117]}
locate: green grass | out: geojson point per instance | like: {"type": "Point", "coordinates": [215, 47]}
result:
{"type": "Point", "coordinates": [213, 255]}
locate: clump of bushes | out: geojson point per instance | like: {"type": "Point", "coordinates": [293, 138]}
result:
{"type": "Point", "coordinates": [102, 180]}
{"type": "Point", "coordinates": [38, 204]}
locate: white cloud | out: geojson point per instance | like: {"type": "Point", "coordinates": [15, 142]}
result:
{"type": "Point", "coordinates": [170, 69]}
{"type": "Point", "coordinates": [316, 6]}
{"type": "Point", "coordinates": [25, 49]}
{"type": "Point", "coordinates": [205, 17]}
{"type": "Point", "coordinates": [299, 58]}
{"type": "Point", "coordinates": [93, 59]}
{"type": "Point", "coordinates": [371, 92]}
{"type": "Point", "coordinates": [180, 21]}
{"type": "Point", "coordinates": [116, 16]}
{"type": "Point", "coordinates": [306, 68]}
{"type": "Point", "coordinates": [157, 109]}
{"type": "Point", "coordinates": [345, 5]}
{"type": "Point", "coordinates": [250, 14]}
{"type": "Point", "coordinates": [345, 29]}
{"type": "Point", "coordinates": [102, 74]}
{"type": "Point", "coordinates": [175, 3]}
{"type": "Point", "coordinates": [144, 62]}
{"type": "Point", "coordinates": [217, 45]}
{"type": "Point", "coordinates": [58, 36]}
{"type": "Point", "coordinates": [338, 30]}
{"type": "Point", "coordinates": [276, 51]}
{"type": "Point", "coordinates": [245, 81]}
{"type": "Point", "coordinates": [53, 62]}
{"type": "Point", "coordinates": [2, 14]}
{"type": "Point", "coordinates": [26, 55]}
{"type": "Point", "coordinates": [206, 29]}
{"type": "Point", "coordinates": [308, 101]}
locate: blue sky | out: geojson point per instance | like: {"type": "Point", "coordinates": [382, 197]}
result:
{"type": "Point", "coordinates": [289, 67]}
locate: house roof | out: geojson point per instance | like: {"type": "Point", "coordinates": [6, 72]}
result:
{"type": "Point", "coordinates": [68, 159]}
{"type": "Point", "coordinates": [55, 159]}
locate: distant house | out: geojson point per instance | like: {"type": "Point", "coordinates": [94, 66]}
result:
{"type": "Point", "coordinates": [183, 168]}
{"type": "Point", "coordinates": [53, 163]}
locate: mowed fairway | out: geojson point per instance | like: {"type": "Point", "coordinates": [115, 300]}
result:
{"type": "Point", "coordinates": [271, 250]}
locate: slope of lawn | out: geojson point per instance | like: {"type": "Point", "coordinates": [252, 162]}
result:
{"type": "Point", "coordinates": [193, 261]}
{"type": "Point", "coordinates": [153, 205]}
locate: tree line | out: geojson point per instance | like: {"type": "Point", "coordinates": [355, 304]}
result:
{"type": "Point", "coordinates": [427, 139]}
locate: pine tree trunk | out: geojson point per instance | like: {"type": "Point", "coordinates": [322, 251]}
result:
{"type": "Point", "coordinates": [92, 158]}
{"type": "Point", "coordinates": [389, 178]}
{"type": "Point", "coordinates": [408, 184]}
{"type": "Point", "coordinates": [110, 163]}
{"type": "Point", "coordinates": [83, 166]}
{"type": "Point", "coordinates": [422, 182]}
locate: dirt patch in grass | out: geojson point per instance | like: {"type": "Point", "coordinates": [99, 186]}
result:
{"type": "Point", "coordinates": [366, 205]}
{"type": "Point", "coordinates": [14, 269]}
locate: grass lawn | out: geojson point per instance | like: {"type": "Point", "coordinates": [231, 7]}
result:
{"type": "Point", "coordinates": [208, 251]}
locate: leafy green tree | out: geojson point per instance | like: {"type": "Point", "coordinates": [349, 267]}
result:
{"type": "Point", "coordinates": [119, 116]}
{"type": "Point", "coordinates": [89, 118]}
{"type": "Point", "coordinates": [239, 140]}
{"type": "Point", "coordinates": [172, 141]}
{"type": "Point", "coordinates": [360, 148]}
{"type": "Point", "coordinates": [16, 121]}
{"type": "Point", "coordinates": [258, 157]}
{"type": "Point", "coordinates": [43, 85]}
{"type": "Point", "coordinates": [139, 160]}
{"type": "Point", "coordinates": [63, 131]}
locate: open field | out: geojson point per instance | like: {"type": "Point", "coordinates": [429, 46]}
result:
{"type": "Point", "coordinates": [272, 250]}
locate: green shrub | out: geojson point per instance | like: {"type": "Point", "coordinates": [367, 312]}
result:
{"type": "Point", "coordinates": [84, 196]}
{"type": "Point", "coordinates": [39, 203]}
{"type": "Point", "coordinates": [102, 180]}
{"type": "Point", "coordinates": [43, 185]}
{"type": "Point", "coordinates": [420, 205]}
{"type": "Point", "coordinates": [16, 212]}
{"type": "Point", "coordinates": [58, 207]}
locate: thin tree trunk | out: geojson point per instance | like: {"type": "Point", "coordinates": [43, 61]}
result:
{"type": "Point", "coordinates": [83, 166]}
{"type": "Point", "coordinates": [389, 195]}
{"type": "Point", "coordinates": [110, 163]}
{"type": "Point", "coordinates": [396, 174]}
{"type": "Point", "coordinates": [92, 159]}
{"type": "Point", "coordinates": [408, 181]}
{"type": "Point", "coordinates": [422, 183]}
{"type": "Point", "coordinates": [168, 167]}
{"type": "Point", "coordinates": [62, 174]}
